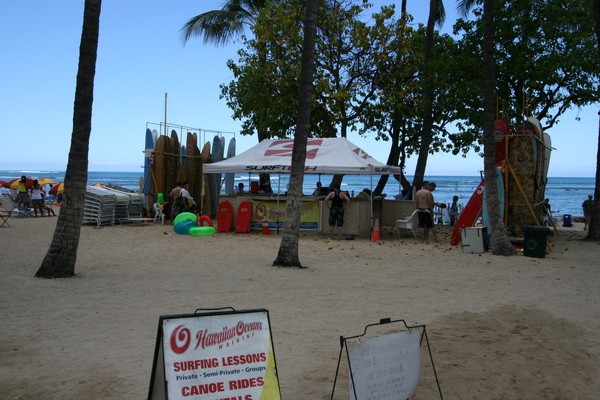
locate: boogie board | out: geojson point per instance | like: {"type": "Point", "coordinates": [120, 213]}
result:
{"type": "Point", "coordinates": [224, 216]}
{"type": "Point", "coordinates": [230, 177]}
{"type": "Point", "coordinates": [243, 218]}
{"type": "Point", "coordinates": [469, 216]}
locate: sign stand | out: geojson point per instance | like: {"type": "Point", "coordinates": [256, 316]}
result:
{"type": "Point", "coordinates": [388, 356]}
{"type": "Point", "coordinates": [214, 353]}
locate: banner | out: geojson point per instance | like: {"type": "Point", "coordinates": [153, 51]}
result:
{"type": "Point", "coordinates": [385, 367]}
{"type": "Point", "coordinates": [222, 356]}
{"type": "Point", "coordinates": [270, 211]}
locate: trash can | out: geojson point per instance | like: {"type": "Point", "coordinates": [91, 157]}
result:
{"type": "Point", "coordinates": [567, 220]}
{"type": "Point", "coordinates": [534, 244]}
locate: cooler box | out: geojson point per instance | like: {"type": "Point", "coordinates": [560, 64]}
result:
{"type": "Point", "coordinates": [474, 240]}
{"type": "Point", "coordinates": [534, 242]}
{"type": "Point", "coordinates": [567, 220]}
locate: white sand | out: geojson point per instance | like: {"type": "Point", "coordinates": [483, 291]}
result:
{"type": "Point", "coordinates": [499, 327]}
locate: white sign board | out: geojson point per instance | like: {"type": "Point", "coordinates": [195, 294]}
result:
{"type": "Point", "coordinates": [223, 356]}
{"type": "Point", "coordinates": [386, 367]}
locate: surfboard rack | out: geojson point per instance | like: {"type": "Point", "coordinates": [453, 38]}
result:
{"type": "Point", "coordinates": [382, 321]}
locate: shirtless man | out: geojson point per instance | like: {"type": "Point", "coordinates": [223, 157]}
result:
{"type": "Point", "coordinates": [425, 205]}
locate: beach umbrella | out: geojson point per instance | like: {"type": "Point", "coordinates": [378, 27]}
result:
{"type": "Point", "coordinates": [47, 181]}
{"type": "Point", "coordinates": [99, 184]}
{"type": "Point", "coordinates": [60, 188]}
{"type": "Point", "coordinates": [4, 184]}
{"type": "Point", "coordinates": [14, 184]}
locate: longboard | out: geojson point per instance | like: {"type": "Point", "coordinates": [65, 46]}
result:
{"type": "Point", "coordinates": [501, 130]}
{"type": "Point", "coordinates": [224, 216]}
{"type": "Point", "coordinates": [243, 218]}
{"type": "Point", "coordinates": [522, 158]}
{"type": "Point", "coordinates": [230, 177]}
{"type": "Point", "coordinates": [159, 164]}
{"type": "Point", "coordinates": [147, 183]}
{"type": "Point", "coordinates": [214, 180]}
{"type": "Point", "coordinates": [204, 181]}
{"type": "Point", "coordinates": [470, 214]}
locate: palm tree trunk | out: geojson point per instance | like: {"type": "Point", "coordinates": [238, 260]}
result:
{"type": "Point", "coordinates": [426, 133]}
{"type": "Point", "coordinates": [594, 228]}
{"type": "Point", "coordinates": [62, 254]}
{"type": "Point", "coordinates": [288, 249]}
{"type": "Point", "coordinates": [500, 242]}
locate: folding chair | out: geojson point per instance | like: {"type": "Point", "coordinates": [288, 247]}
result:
{"type": "Point", "coordinates": [408, 223]}
{"type": "Point", "coordinates": [4, 216]}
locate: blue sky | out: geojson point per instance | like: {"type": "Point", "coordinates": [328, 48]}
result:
{"type": "Point", "coordinates": [140, 58]}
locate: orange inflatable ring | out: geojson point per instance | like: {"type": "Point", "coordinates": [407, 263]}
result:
{"type": "Point", "coordinates": [204, 220]}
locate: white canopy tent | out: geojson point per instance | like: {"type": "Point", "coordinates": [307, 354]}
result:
{"type": "Point", "coordinates": [329, 156]}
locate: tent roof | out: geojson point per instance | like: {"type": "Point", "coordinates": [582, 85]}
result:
{"type": "Point", "coordinates": [323, 156]}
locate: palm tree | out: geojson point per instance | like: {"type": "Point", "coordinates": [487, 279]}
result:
{"type": "Point", "coordinates": [594, 229]}
{"type": "Point", "coordinates": [288, 249]}
{"type": "Point", "coordinates": [437, 15]}
{"type": "Point", "coordinates": [222, 26]}
{"type": "Point", "coordinates": [500, 242]}
{"type": "Point", "coordinates": [60, 260]}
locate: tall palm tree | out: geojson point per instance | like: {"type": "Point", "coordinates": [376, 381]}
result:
{"type": "Point", "coordinates": [288, 249]}
{"type": "Point", "coordinates": [60, 260]}
{"type": "Point", "coordinates": [222, 26]}
{"type": "Point", "coordinates": [437, 15]}
{"type": "Point", "coordinates": [500, 242]}
{"type": "Point", "coordinates": [594, 229]}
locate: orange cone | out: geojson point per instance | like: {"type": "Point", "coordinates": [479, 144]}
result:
{"type": "Point", "coordinates": [375, 234]}
{"type": "Point", "coordinates": [265, 230]}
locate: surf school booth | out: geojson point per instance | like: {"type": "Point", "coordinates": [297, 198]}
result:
{"type": "Point", "coordinates": [327, 156]}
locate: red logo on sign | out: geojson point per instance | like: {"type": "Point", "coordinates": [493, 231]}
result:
{"type": "Point", "coordinates": [284, 148]}
{"type": "Point", "coordinates": [359, 152]}
{"type": "Point", "coordinates": [180, 336]}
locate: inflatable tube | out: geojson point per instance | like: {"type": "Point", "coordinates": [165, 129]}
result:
{"type": "Point", "coordinates": [202, 231]}
{"type": "Point", "coordinates": [204, 220]}
{"type": "Point", "coordinates": [183, 227]}
{"type": "Point", "coordinates": [184, 215]}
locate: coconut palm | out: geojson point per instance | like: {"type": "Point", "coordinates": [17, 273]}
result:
{"type": "Point", "coordinates": [60, 260]}
{"type": "Point", "coordinates": [594, 229]}
{"type": "Point", "coordinates": [500, 242]}
{"type": "Point", "coordinates": [222, 26]}
{"type": "Point", "coordinates": [288, 249]}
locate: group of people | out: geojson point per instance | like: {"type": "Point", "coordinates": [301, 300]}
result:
{"type": "Point", "coordinates": [180, 200]}
{"type": "Point", "coordinates": [36, 193]}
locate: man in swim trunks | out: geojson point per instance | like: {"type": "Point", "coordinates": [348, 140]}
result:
{"type": "Point", "coordinates": [425, 204]}
{"type": "Point", "coordinates": [339, 202]}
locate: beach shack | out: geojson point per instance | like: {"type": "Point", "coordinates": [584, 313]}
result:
{"type": "Point", "coordinates": [327, 156]}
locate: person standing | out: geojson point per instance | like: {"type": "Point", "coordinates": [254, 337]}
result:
{"type": "Point", "coordinates": [588, 210]}
{"type": "Point", "coordinates": [23, 196]}
{"type": "Point", "coordinates": [188, 202]}
{"type": "Point", "coordinates": [174, 195]}
{"type": "Point", "coordinates": [425, 205]}
{"type": "Point", "coordinates": [36, 198]}
{"type": "Point", "coordinates": [339, 202]}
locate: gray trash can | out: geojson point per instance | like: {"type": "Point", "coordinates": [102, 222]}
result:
{"type": "Point", "coordinates": [534, 244]}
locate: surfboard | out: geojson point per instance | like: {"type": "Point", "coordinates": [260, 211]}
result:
{"type": "Point", "coordinates": [243, 218]}
{"type": "Point", "coordinates": [521, 191]}
{"type": "Point", "coordinates": [146, 185]}
{"type": "Point", "coordinates": [214, 180]}
{"type": "Point", "coordinates": [224, 216]}
{"type": "Point", "coordinates": [190, 164]}
{"type": "Point", "coordinates": [501, 130]}
{"type": "Point", "coordinates": [159, 165]}
{"type": "Point", "coordinates": [500, 187]}
{"type": "Point", "coordinates": [230, 177]}
{"type": "Point", "coordinates": [470, 214]}
{"type": "Point", "coordinates": [205, 185]}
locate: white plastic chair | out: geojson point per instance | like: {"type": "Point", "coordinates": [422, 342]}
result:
{"type": "Point", "coordinates": [411, 223]}
{"type": "Point", "coordinates": [158, 214]}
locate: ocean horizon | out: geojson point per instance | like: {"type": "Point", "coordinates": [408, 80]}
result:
{"type": "Point", "coordinates": [566, 194]}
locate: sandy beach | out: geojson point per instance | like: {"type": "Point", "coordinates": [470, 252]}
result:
{"type": "Point", "coordinates": [499, 327]}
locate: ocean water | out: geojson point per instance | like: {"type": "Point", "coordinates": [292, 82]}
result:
{"type": "Point", "coordinates": [565, 194]}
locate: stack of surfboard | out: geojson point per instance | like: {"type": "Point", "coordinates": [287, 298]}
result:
{"type": "Point", "coordinates": [529, 158]}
